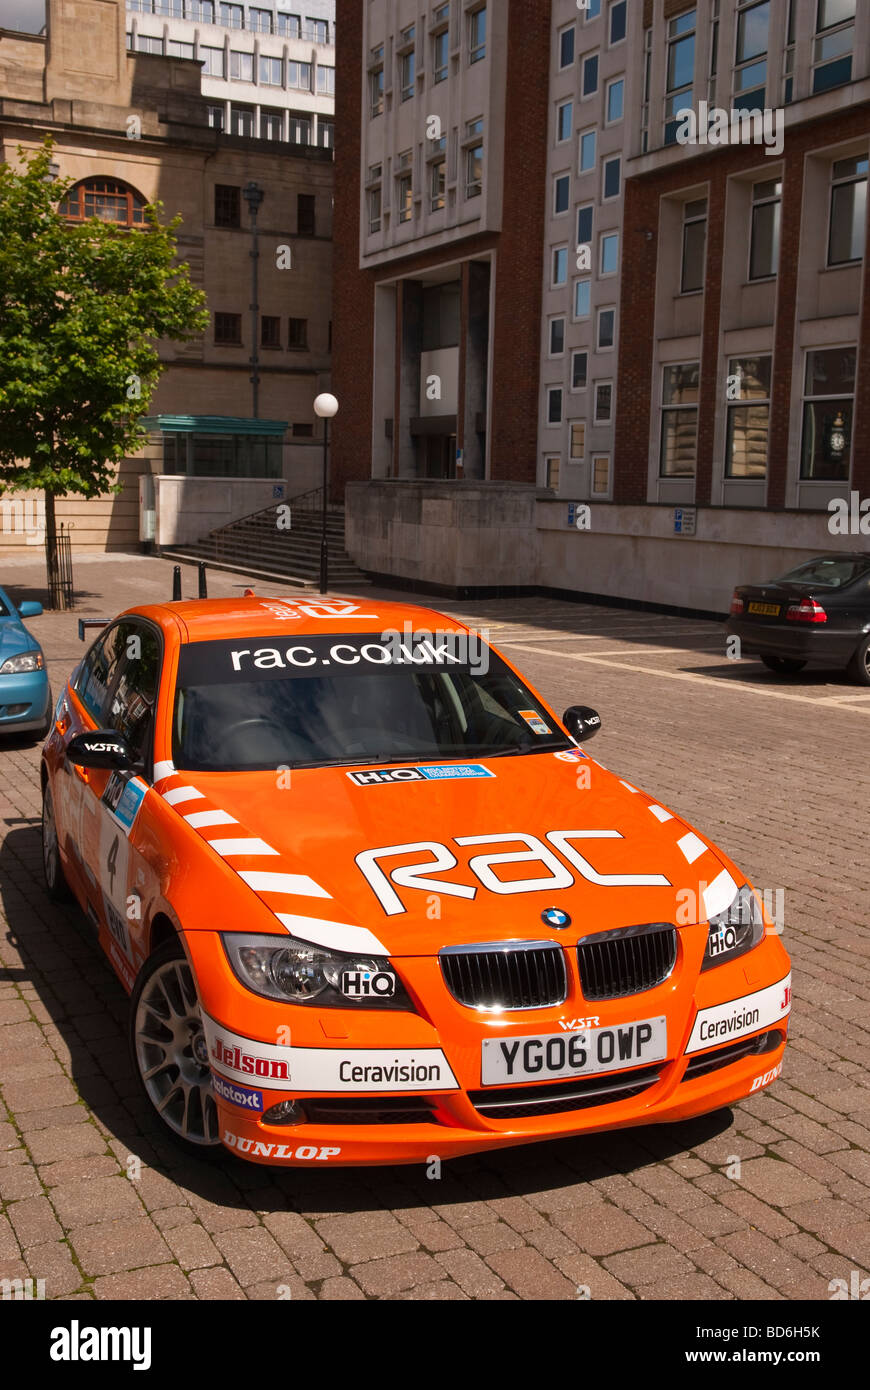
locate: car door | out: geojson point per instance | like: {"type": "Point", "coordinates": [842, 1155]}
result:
{"type": "Point", "coordinates": [118, 797]}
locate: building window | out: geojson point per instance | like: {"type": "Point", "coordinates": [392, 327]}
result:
{"type": "Point", "coordinates": [615, 98]}
{"type": "Point", "coordinates": [108, 199]}
{"type": "Point", "coordinates": [241, 66]}
{"type": "Point", "coordinates": [228, 329]}
{"type": "Point", "coordinates": [303, 431]}
{"type": "Point", "coordinates": [552, 464]}
{"type": "Point", "coordinates": [566, 48]}
{"type": "Point", "coordinates": [216, 117]}
{"type": "Point", "coordinates": [829, 395]}
{"type": "Point", "coordinates": [212, 60]}
{"type": "Point", "coordinates": [290, 25]}
{"type": "Point", "coordinates": [748, 424]}
{"type": "Point", "coordinates": [318, 30]}
{"type": "Point", "coordinates": [300, 130]}
{"type": "Point", "coordinates": [616, 18]}
{"type": "Point", "coordinates": [554, 405]}
{"type": "Point", "coordinates": [561, 194]}
{"type": "Point", "coordinates": [227, 205]}
{"type": "Point", "coordinates": [407, 63]}
{"type": "Point", "coordinates": [679, 421]}
{"type": "Point", "coordinates": [644, 111]}
{"type": "Point", "coordinates": [848, 210]}
{"type": "Point", "coordinates": [438, 182]}
{"type": "Point", "coordinates": [270, 331]}
{"type": "Point", "coordinates": [606, 328]}
{"type": "Point", "coordinates": [440, 44]}
{"type": "Point", "coordinates": [232, 16]}
{"type": "Point", "coordinates": [376, 81]}
{"type": "Point", "coordinates": [297, 335]}
{"type": "Point", "coordinates": [404, 187]}
{"type": "Point", "coordinates": [579, 366]}
{"type": "Point", "coordinates": [750, 70]}
{"type": "Point", "coordinates": [589, 69]}
{"type": "Point", "coordinates": [603, 413]}
{"type": "Point", "coordinates": [242, 120]}
{"type": "Point", "coordinates": [582, 299]}
{"type": "Point", "coordinates": [298, 75]}
{"type": "Point", "coordinates": [326, 134]}
{"type": "Point", "coordinates": [477, 35]}
{"type": "Point", "coordinates": [612, 178]}
{"type": "Point", "coordinates": [560, 266]}
{"type": "Point", "coordinates": [326, 80]}
{"type": "Point", "coordinates": [587, 151]}
{"type": "Point", "coordinates": [694, 245]}
{"type": "Point", "coordinates": [680, 71]}
{"type": "Point", "coordinates": [564, 121]}
{"type": "Point", "coordinates": [176, 49]}
{"type": "Point", "coordinates": [222, 455]}
{"type": "Point", "coordinates": [578, 440]}
{"type": "Point", "coordinates": [473, 159]}
{"type": "Point", "coordinates": [306, 221]}
{"type": "Point", "coordinates": [764, 242]}
{"type": "Point", "coordinates": [585, 217]}
{"type": "Point", "coordinates": [202, 10]}
{"type": "Point", "coordinates": [374, 197]}
{"type": "Point", "coordinates": [271, 125]}
{"type": "Point", "coordinates": [557, 337]}
{"type": "Point", "coordinates": [592, 10]}
{"type": "Point", "coordinates": [832, 54]}
{"type": "Point", "coordinates": [146, 44]}
{"type": "Point", "coordinates": [609, 263]}
{"type": "Point", "coordinates": [600, 475]}
{"type": "Point", "coordinates": [788, 57]}
{"type": "Point", "coordinates": [260, 21]}
{"type": "Point", "coordinates": [272, 72]}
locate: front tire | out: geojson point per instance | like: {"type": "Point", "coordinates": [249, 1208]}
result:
{"type": "Point", "coordinates": [859, 666]}
{"type": "Point", "coordinates": [169, 1050]}
{"type": "Point", "coordinates": [783, 665]}
{"type": "Point", "coordinates": [55, 880]}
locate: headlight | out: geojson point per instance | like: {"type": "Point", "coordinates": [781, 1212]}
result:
{"type": "Point", "coordinates": [736, 930]}
{"type": "Point", "coordinates": [298, 972]}
{"type": "Point", "coordinates": [25, 661]}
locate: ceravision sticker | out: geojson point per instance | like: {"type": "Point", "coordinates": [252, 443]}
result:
{"type": "Point", "coordinates": [432, 772]}
{"type": "Point", "coordinates": [724, 1022]}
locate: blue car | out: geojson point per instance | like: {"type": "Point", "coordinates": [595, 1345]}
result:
{"type": "Point", "coordinates": [25, 694]}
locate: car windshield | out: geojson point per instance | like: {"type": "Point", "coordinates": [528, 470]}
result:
{"type": "Point", "coordinates": [4, 608]}
{"type": "Point", "coordinates": [258, 703]}
{"type": "Point", "coordinates": [832, 572]}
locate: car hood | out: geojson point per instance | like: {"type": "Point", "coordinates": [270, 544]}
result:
{"type": "Point", "coordinates": [640, 863]}
{"type": "Point", "coordinates": [15, 638]}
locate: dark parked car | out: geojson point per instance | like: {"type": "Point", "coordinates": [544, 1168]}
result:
{"type": "Point", "coordinates": [818, 613]}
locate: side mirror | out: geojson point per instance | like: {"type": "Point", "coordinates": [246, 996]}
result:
{"type": "Point", "coordinates": [30, 609]}
{"type": "Point", "coordinates": [101, 749]}
{"type": "Point", "coordinates": [582, 722]}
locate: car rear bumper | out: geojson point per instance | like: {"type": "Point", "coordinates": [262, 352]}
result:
{"type": "Point", "coordinates": [356, 1124]}
{"type": "Point", "coordinates": [24, 701]}
{"type": "Point", "coordinates": [794, 641]}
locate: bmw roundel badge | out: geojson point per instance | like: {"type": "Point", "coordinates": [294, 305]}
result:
{"type": "Point", "coordinates": [555, 917]}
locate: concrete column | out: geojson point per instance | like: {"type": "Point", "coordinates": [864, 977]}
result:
{"type": "Point", "coordinates": [409, 381]}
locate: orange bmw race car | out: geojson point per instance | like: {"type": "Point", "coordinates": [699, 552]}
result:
{"type": "Point", "coordinates": [373, 901]}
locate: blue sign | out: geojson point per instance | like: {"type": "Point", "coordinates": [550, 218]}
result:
{"type": "Point", "coordinates": [436, 772]}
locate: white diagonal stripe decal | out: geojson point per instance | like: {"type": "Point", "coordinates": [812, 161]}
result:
{"type": "Point", "coordinates": [252, 846]}
{"type": "Point", "coordinates": [163, 769]}
{"type": "Point", "coordinates": [198, 819]}
{"type": "Point", "coordinates": [719, 894]}
{"type": "Point", "coordinates": [692, 847]}
{"type": "Point", "coordinates": [263, 882]}
{"type": "Point", "coordinates": [178, 794]}
{"type": "Point", "coordinates": [628, 786]}
{"type": "Point", "coordinates": [660, 813]}
{"type": "Point", "coordinates": [335, 936]}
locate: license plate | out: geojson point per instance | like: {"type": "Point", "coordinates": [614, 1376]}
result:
{"type": "Point", "coordinates": [544, 1056]}
{"type": "Point", "coordinates": [765, 610]}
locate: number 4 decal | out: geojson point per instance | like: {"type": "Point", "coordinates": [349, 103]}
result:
{"type": "Point", "coordinates": [112, 864]}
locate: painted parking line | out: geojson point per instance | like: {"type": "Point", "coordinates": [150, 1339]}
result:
{"type": "Point", "coordinates": [742, 688]}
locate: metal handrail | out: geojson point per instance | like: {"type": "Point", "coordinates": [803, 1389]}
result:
{"type": "Point", "coordinates": [261, 511]}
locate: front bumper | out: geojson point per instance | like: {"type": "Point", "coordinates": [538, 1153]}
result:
{"type": "Point", "coordinates": [24, 701]}
{"type": "Point", "coordinates": [440, 1113]}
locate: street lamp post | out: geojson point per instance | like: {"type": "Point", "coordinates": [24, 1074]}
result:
{"type": "Point", "coordinates": [254, 195]}
{"type": "Point", "coordinates": [325, 406]}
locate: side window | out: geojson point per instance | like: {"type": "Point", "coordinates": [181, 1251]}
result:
{"type": "Point", "coordinates": [134, 690]}
{"type": "Point", "coordinates": [97, 673]}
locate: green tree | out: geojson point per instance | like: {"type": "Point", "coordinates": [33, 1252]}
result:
{"type": "Point", "coordinates": [82, 307]}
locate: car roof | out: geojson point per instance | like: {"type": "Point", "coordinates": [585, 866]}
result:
{"type": "Point", "coordinates": [210, 620]}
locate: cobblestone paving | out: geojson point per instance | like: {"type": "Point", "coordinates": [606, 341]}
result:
{"type": "Point", "coordinates": [776, 772]}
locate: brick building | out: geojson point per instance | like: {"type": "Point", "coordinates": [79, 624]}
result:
{"type": "Point", "coordinates": [220, 444]}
